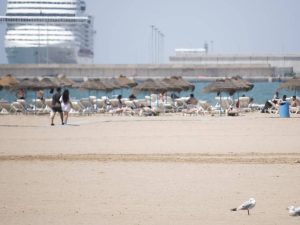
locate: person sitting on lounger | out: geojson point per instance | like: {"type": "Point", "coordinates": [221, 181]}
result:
{"type": "Point", "coordinates": [232, 111]}
{"type": "Point", "coordinates": [295, 102]}
{"type": "Point", "coordinates": [192, 100]}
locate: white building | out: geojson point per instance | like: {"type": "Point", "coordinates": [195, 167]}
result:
{"type": "Point", "coordinates": [282, 62]}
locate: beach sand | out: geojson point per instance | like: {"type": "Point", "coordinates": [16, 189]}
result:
{"type": "Point", "coordinates": [170, 169]}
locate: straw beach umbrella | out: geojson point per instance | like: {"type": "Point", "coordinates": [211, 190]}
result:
{"type": "Point", "coordinates": [63, 81]}
{"type": "Point", "coordinates": [241, 84]}
{"type": "Point", "coordinates": [228, 85]}
{"type": "Point", "coordinates": [95, 84]}
{"type": "Point", "coordinates": [29, 84]}
{"type": "Point", "coordinates": [126, 81]}
{"type": "Point", "coordinates": [292, 84]}
{"type": "Point", "coordinates": [151, 85]}
{"type": "Point", "coordinates": [117, 83]}
{"type": "Point", "coordinates": [220, 85]}
{"type": "Point", "coordinates": [172, 85]}
{"type": "Point", "coordinates": [47, 83]}
{"type": "Point", "coordinates": [109, 84]}
{"type": "Point", "coordinates": [8, 81]}
{"type": "Point", "coordinates": [185, 85]}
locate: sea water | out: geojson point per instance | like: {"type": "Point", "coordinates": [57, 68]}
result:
{"type": "Point", "coordinates": [261, 92]}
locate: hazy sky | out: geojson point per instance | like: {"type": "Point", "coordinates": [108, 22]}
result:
{"type": "Point", "coordinates": [123, 32]}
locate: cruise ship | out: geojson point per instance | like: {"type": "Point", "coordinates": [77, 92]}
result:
{"type": "Point", "coordinates": [48, 32]}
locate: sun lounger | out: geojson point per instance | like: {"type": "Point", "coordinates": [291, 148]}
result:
{"type": "Point", "coordinates": [244, 104]}
{"type": "Point", "coordinates": [77, 108]}
{"type": "Point", "coordinates": [295, 110]}
{"type": "Point", "coordinates": [100, 105]}
{"type": "Point", "coordinates": [5, 107]}
{"type": "Point", "coordinates": [87, 105]}
{"type": "Point", "coordinates": [40, 107]}
{"type": "Point", "coordinates": [17, 107]}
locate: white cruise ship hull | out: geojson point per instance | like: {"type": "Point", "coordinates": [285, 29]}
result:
{"type": "Point", "coordinates": [46, 55]}
{"type": "Point", "coordinates": [48, 32]}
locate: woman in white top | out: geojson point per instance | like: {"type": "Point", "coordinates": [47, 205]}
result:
{"type": "Point", "coordinates": [66, 104]}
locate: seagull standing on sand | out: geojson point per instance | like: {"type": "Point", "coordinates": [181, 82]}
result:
{"type": "Point", "coordinates": [247, 205]}
{"type": "Point", "coordinates": [294, 211]}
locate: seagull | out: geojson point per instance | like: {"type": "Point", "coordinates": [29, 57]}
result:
{"type": "Point", "coordinates": [247, 205]}
{"type": "Point", "coordinates": [294, 211]}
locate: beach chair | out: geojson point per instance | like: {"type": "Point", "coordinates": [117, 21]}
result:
{"type": "Point", "coordinates": [295, 110]}
{"type": "Point", "coordinates": [17, 107]}
{"type": "Point", "coordinates": [77, 108]}
{"type": "Point", "coordinates": [163, 107]}
{"type": "Point", "coordinates": [5, 107]}
{"type": "Point", "coordinates": [180, 104]}
{"type": "Point", "coordinates": [100, 105]}
{"type": "Point", "coordinates": [40, 107]}
{"type": "Point", "coordinates": [48, 105]}
{"type": "Point", "coordinates": [274, 107]}
{"type": "Point", "coordinates": [207, 108]}
{"type": "Point", "coordinates": [115, 108]}
{"type": "Point", "coordinates": [87, 105]}
{"type": "Point", "coordinates": [223, 104]}
{"type": "Point", "coordinates": [244, 104]}
{"type": "Point", "coordinates": [130, 108]}
{"type": "Point", "coordinates": [140, 103]}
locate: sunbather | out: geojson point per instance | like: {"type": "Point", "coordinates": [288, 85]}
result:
{"type": "Point", "coordinates": [192, 100]}
{"type": "Point", "coordinates": [295, 102]}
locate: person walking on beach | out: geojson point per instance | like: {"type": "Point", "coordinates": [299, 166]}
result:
{"type": "Point", "coordinates": [66, 105]}
{"type": "Point", "coordinates": [56, 106]}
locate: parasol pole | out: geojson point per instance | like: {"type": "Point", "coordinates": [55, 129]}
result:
{"type": "Point", "coordinates": [220, 104]}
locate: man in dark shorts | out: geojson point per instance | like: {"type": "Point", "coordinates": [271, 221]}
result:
{"type": "Point", "coordinates": [56, 106]}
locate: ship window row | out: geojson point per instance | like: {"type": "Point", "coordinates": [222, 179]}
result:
{"type": "Point", "coordinates": [38, 2]}
{"type": "Point", "coordinates": [68, 17]}
{"type": "Point", "coordinates": [41, 35]}
{"type": "Point", "coordinates": [40, 39]}
{"type": "Point", "coordinates": [53, 30]}
{"type": "Point", "coordinates": [44, 14]}
{"type": "Point", "coordinates": [49, 30]}
{"type": "Point", "coordinates": [37, 41]}
{"type": "Point", "coordinates": [40, 7]}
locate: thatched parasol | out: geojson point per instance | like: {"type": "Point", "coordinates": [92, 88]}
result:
{"type": "Point", "coordinates": [172, 85]}
{"type": "Point", "coordinates": [117, 83]}
{"type": "Point", "coordinates": [228, 85]}
{"type": "Point", "coordinates": [185, 85]}
{"type": "Point", "coordinates": [241, 84]}
{"type": "Point", "coordinates": [292, 84]}
{"type": "Point", "coordinates": [47, 83]}
{"type": "Point", "coordinates": [29, 84]}
{"type": "Point", "coordinates": [63, 81]}
{"type": "Point", "coordinates": [94, 84]}
{"type": "Point", "coordinates": [109, 84]}
{"type": "Point", "coordinates": [151, 85]}
{"type": "Point", "coordinates": [126, 81]}
{"type": "Point", "coordinates": [8, 81]}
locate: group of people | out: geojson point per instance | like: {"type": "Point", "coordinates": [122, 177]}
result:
{"type": "Point", "coordinates": [62, 104]}
{"type": "Point", "coordinates": [277, 101]}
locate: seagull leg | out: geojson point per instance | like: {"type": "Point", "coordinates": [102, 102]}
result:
{"type": "Point", "coordinates": [248, 212]}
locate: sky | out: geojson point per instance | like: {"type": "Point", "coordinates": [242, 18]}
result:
{"type": "Point", "coordinates": [123, 27]}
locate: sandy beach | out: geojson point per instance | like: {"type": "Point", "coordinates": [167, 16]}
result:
{"type": "Point", "coordinates": [170, 169]}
